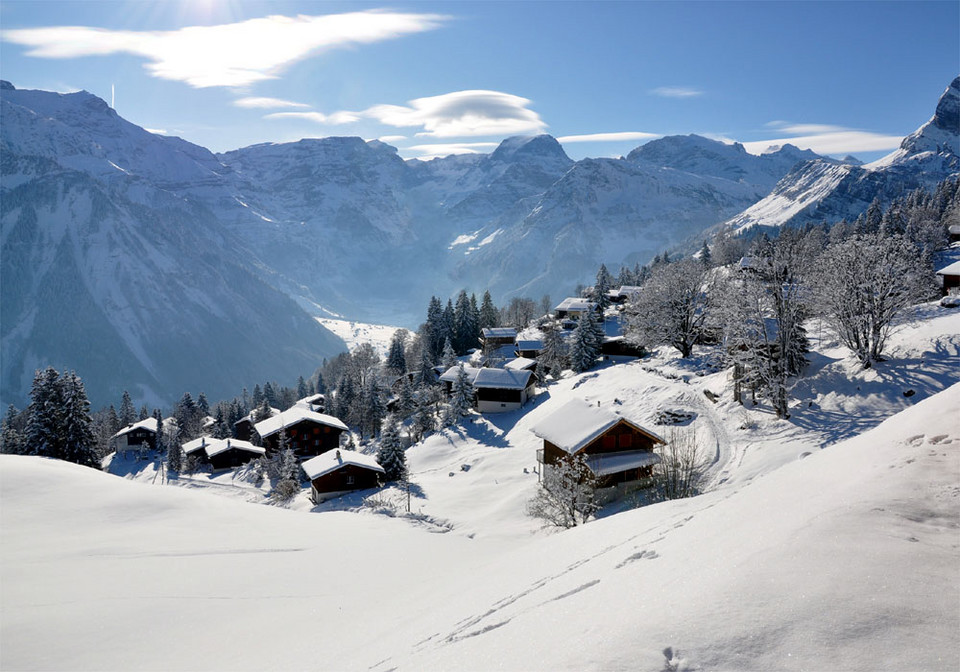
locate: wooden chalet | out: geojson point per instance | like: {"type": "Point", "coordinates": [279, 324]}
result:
{"type": "Point", "coordinates": [573, 308]}
{"type": "Point", "coordinates": [953, 231]}
{"type": "Point", "coordinates": [231, 453]}
{"type": "Point", "coordinates": [315, 402]}
{"type": "Point", "coordinates": [197, 448]}
{"type": "Point", "coordinates": [618, 347]}
{"type": "Point", "coordinates": [624, 294]}
{"type": "Point", "coordinates": [136, 436]}
{"type": "Point", "coordinates": [521, 364]}
{"type": "Point", "coordinates": [500, 390]}
{"type": "Point", "coordinates": [243, 428]}
{"type": "Point", "coordinates": [338, 472]}
{"type": "Point", "coordinates": [949, 277]}
{"type": "Point", "coordinates": [619, 452]}
{"type": "Point", "coordinates": [494, 337]}
{"type": "Point", "coordinates": [450, 375]}
{"type": "Point", "coordinates": [528, 347]}
{"type": "Point", "coordinates": [308, 433]}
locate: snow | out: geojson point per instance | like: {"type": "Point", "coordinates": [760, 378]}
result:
{"type": "Point", "coordinates": [149, 424]}
{"type": "Point", "coordinates": [334, 459]}
{"type": "Point", "coordinates": [292, 416]}
{"type": "Point", "coordinates": [574, 304]}
{"type": "Point", "coordinates": [217, 446]}
{"type": "Point", "coordinates": [520, 364]}
{"type": "Point", "coordinates": [576, 423]}
{"type": "Point", "coordinates": [450, 375]}
{"type": "Point", "coordinates": [356, 333]}
{"type": "Point", "coordinates": [952, 269]}
{"type": "Point", "coordinates": [499, 332]}
{"type": "Point", "coordinates": [504, 379]}
{"type": "Point", "coordinates": [827, 541]}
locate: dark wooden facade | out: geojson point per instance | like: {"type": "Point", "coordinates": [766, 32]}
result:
{"type": "Point", "coordinates": [243, 429]}
{"type": "Point", "coordinates": [950, 282]}
{"type": "Point", "coordinates": [345, 479]}
{"type": "Point", "coordinates": [621, 438]}
{"type": "Point", "coordinates": [307, 438]}
{"type": "Point", "coordinates": [231, 458]}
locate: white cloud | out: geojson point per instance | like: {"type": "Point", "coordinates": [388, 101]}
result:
{"type": "Point", "coordinates": [156, 131]}
{"type": "Point", "coordinates": [676, 92]}
{"type": "Point", "coordinates": [827, 139]}
{"type": "Point", "coordinates": [266, 103]}
{"type": "Point", "coordinates": [610, 137]}
{"type": "Point", "coordinates": [462, 114]}
{"type": "Point", "coordinates": [235, 54]}
{"type": "Point", "coordinates": [392, 138]}
{"type": "Point", "coordinates": [335, 119]}
{"type": "Point", "coordinates": [432, 151]}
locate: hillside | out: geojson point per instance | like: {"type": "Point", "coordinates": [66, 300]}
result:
{"type": "Point", "coordinates": [829, 540]}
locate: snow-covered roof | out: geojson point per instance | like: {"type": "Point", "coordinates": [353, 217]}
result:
{"type": "Point", "coordinates": [150, 424]}
{"type": "Point", "coordinates": [499, 332]}
{"type": "Point", "coordinates": [292, 416]}
{"type": "Point", "coordinates": [573, 304]}
{"type": "Point", "coordinates": [603, 464]}
{"type": "Point", "coordinates": [450, 375]}
{"type": "Point", "coordinates": [954, 229]}
{"type": "Point", "coordinates": [217, 446]}
{"type": "Point", "coordinates": [577, 423]}
{"type": "Point", "coordinates": [520, 364]}
{"type": "Point", "coordinates": [251, 416]}
{"type": "Point", "coordinates": [504, 379]}
{"type": "Point", "coordinates": [952, 269]}
{"type": "Point", "coordinates": [529, 344]}
{"type": "Point", "coordinates": [196, 444]}
{"type": "Point", "coordinates": [332, 460]}
{"type": "Point", "coordinates": [628, 290]}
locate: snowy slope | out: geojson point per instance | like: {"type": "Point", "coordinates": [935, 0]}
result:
{"type": "Point", "coordinates": [820, 191]}
{"type": "Point", "coordinates": [844, 560]}
{"type": "Point", "coordinates": [817, 546]}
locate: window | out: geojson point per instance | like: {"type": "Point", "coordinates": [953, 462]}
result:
{"type": "Point", "coordinates": [349, 479]}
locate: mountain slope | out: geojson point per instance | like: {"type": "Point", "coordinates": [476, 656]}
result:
{"type": "Point", "coordinates": [821, 191]}
{"type": "Point", "coordinates": [112, 268]}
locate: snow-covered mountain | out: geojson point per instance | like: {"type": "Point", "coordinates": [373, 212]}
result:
{"type": "Point", "coordinates": [115, 265]}
{"type": "Point", "coordinates": [819, 190]}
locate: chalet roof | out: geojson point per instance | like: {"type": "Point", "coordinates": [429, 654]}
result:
{"type": "Point", "coordinates": [502, 379]}
{"type": "Point", "coordinates": [499, 332]}
{"type": "Point", "coordinates": [952, 269]}
{"type": "Point", "coordinates": [529, 344]}
{"type": "Point", "coordinates": [292, 416]}
{"type": "Point", "coordinates": [217, 446]}
{"type": "Point", "coordinates": [196, 444]}
{"type": "Point", "coordinates": [520, 364]}
{"type": "Point", "coordinates": [629, 290]}
{"type": "Point", "coordinates": [450, 375]}
{"type": "Point", "coordinates": [251, 416]}
{"type": "Point", "coordinates": [577, 423]}
{"type": "Point", "coordinates": [572, 304]}
{"type": "Point", "coordinates": [332, 460]}
{"type": "Point", "coordinates": [150, 424]}
{"type": "Point", "coordinates": [604, 464]}
{"type": "Point", "coordinates": [954, 229]}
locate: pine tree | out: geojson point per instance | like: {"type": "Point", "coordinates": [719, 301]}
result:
{"type": "Point", "coordinates": [465, 328]}
{"type": "Point", "coordinates": [406, 402]}
{"type": "Point", "coordinates": [705, 257]}
{"type": "Point", "coordinates": [144, 413]}
{"type": "Point", "coordinates": [203, 406]}
{"type": "Point", "coordinates": [489, 315]}
{"type": "Point", "coordinates": [602, 287]}
{"type": "Point", "coordinates": [174, 450]}
{"type": "Point", "coordinates": [302, 392]}
{"type": "Point", "coordinates": [461, 399]}
{"type": "Point", "coordinates": [582, 351]}
{"type": "Point", "coordinates": [396, 359]}
{"type": "Point", "coordinates": [257, 397]}
{"type": "Point", "coordinates": [79, 443]}
{"type": "Point", "coordinates": [44, 430]}
{"type": "Point", "coordinates": [449, 356]}
{"type": "Point", "coordinates": [11, 437]}
{"type": "Point", "coordinates": [158, 443]}
{"type": "Point", "coordinates": [372, 410]}
{"type": "Point", "coordinates": [128, 415]}
{"type": "Point", "coordinates": [425, 375]}
{"type": "Point", "coordinates": [391, 455]}
{"type": "Point", "coordinates": [553, 356]}
{"type": "Point", "coordinates": [434, 328]}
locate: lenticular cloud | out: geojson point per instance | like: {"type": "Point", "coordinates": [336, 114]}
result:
{"type": "Point", "coordinates": [235, 54]}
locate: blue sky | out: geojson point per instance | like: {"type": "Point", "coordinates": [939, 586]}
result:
{"type": "Point", "coordinates": [433, 78]}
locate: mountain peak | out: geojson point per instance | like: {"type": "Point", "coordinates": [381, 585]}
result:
{"type": "Point", "coordinates": [6, 86]}
{"type": "Point", "coordinates": [525, 147]}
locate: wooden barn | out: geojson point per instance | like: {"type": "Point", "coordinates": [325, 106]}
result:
{"type": "Point", "coordinates": [197, 448]}
{"type": "Point", "coordinates": [338, 472]}
{"type": "Point", "coordinates": [308, 433]}
{"type": "Point", "coordinates": [230, 453]}
{"type": "Point", "coordinates": [450, 375]}
{"type": "Point", "coordinates": [949, 277]}
{"type": "Point", "coordinates": [528, 347]}
{"type": "Point", "coordinates": [619, 452]}
{"type": "Point", "coordinates": [494, 337]}
{"type": "Point", "coordinates": [500, 390]}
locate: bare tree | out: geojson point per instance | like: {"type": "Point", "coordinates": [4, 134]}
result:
{"type": "Point", "coordinates": [681, 465]}
{"type": "Point", "coordinates": [672, 307]}
{"type": "Point", "coordinates": [567, 496]}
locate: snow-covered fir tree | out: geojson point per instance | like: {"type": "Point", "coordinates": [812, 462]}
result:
{"type": "Point", "coordinates": [128, 414]}
{"type": "Point", "coordinates": [553, 357]}
{"type": "Point", "coordinates": [449, 356]}
{"type": "Point", "coordinates": [396, 359]}
{"type": "Point", "coordinates": [602, 287]}
{"type": "Point", "coordinates": [489, 315]}
{"type": "Point", "coordinates": [391, 455]}
{"type": "Point", "coordinates": [461, 398]}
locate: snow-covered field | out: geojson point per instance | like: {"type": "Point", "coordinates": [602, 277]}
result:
{"type": "Point", "coordinates": [829, 541]}
{"type": "Point", "coordinates": [355, 333]}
